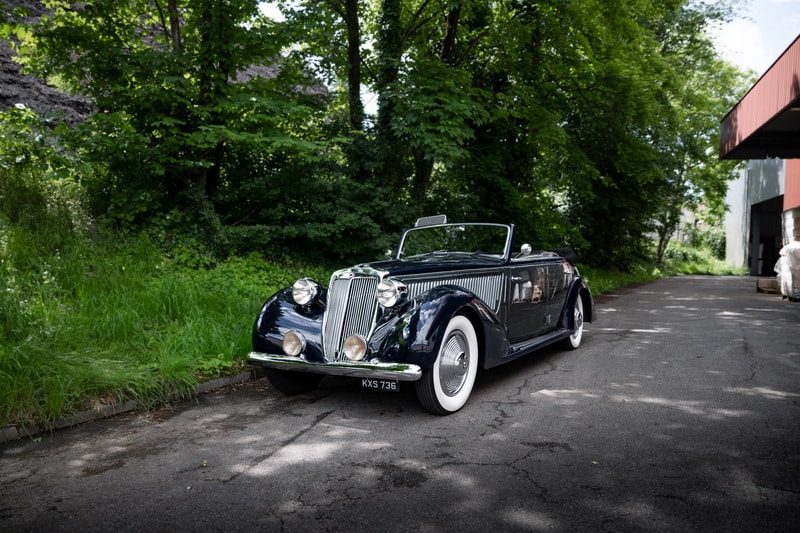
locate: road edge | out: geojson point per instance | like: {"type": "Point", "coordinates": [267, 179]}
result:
{"type": "Point", "coordinates": [11, 433]}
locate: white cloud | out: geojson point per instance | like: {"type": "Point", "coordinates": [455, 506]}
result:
{"type": "Point", "coordinates": [758, 37]}
{"type": "Point", "coordinates": [741, 42]}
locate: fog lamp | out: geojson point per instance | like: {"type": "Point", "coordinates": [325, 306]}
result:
{"type": "Point", "coordinates": [355, 347]}
{"type": "Point", "coordinates": [294, 343]}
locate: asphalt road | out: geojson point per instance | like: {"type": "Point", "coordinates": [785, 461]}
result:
{"type": "Point", "coordinates": [681, 412]}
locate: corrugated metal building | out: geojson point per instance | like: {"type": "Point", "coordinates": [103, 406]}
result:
{"type": "Point", "coordinates": [764, 128]}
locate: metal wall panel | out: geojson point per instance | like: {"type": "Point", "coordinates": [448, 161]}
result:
{"type": "Point", "coordinates": [791, 196]}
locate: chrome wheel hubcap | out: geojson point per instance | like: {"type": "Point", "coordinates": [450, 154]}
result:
{"type": "Point", "coordinates": [578, 330]}
{"type": "Point", "coordinates": [453, 363]}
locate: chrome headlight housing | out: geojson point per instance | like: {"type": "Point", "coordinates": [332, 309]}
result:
{"type": "Point", "coordinates": [305, 291]}
{"type": "Point", "coordinates": [391, 292]}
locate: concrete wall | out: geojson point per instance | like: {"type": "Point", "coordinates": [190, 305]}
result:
{"type": "Point", "coordinates": [737, 221]}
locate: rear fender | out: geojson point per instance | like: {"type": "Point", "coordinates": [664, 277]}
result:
{"type": "Point", "coordinates": [579, 289]}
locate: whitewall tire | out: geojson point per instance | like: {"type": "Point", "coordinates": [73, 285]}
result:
{"type": "Point", "coordinates": [574, 340]}
{"type": "Point", "coordinates": [446, 387]}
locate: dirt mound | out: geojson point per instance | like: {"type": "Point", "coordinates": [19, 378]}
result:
{"type": "Point", "coordinates": [19, 88]}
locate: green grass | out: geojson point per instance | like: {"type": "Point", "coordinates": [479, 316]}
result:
{"type": "Point", "coordinates": [685, 259]}
{"type": "Point", "coordinates": [102, 320]}
{"type": "Point", "coordinates": [87, 321]}
{"type": "Point", "coordinates": [605, 281]}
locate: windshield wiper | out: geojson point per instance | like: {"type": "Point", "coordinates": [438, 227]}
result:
{"type": "Point", "coordinates": [432, 252]}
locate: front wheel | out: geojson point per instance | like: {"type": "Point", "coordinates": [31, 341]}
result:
{"type": "Point", "coordinates": [289, 382]}
{"type": "Point", "coordinates": [445, 387]}
{"type": "Point", "coordinates": [574, 340]}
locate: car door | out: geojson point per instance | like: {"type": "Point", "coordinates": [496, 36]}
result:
{"type": "Point", "coordinates": [559, 280]}
{"type": "Point", "coordinates": [527, 300]}
{"type": "Point", "coordinates": [537, 294]}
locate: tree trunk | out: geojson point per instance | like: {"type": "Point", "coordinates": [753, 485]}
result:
{"type": "Point", "coordinates": [354, 66]}
{"type": "Point", "coordinates": [214, 72]}
{"type": "Point", "coordinates": [358, 153]}
{"type": "Point", "coordinates": [449, 44]}
{"type": "Point", "coordinates": [423, 170]}
{"type": "Point", "coordinates": [174, 24]}
{"type": "Point", "coordinates": [389, 56]}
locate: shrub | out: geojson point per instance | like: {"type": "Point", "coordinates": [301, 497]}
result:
{"type": "Point", "coordinates": [38, 178]}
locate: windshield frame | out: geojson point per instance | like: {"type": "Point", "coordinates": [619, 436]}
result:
{"type": "Point", "coordinates": [506, 246]}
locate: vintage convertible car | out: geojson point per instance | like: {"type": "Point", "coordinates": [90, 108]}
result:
{"type": "Point", "coordinates": [455, 297]}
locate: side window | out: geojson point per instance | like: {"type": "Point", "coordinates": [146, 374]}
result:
{"type": "Point", "coordinates": [528, 285]}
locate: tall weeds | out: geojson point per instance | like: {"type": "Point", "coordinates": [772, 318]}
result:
{"type": "Point", "coordinates": [107, 318]}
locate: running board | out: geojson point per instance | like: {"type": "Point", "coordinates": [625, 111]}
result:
{"type": "Point", "coordinates": [531, 345]}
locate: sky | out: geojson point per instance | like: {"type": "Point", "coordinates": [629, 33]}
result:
{"type": "Point", "coordinates": [760, 34]}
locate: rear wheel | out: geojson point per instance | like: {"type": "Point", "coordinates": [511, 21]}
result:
{"type": "Point", "coordinates": [289, 382]}
{"type": "Point", "coordinates": [574, 340]}
{"type": "Point", "coordinates": [445, 387]}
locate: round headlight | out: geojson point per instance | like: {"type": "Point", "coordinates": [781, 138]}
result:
{"type": "Point", "coordinates": [294, 343]}
{"type": "Point", "coordinates": [390, 292]}
{"type": "Point", "coordinates": [304, 291]}
{"type": "Point", "coordinates": [355, 347]}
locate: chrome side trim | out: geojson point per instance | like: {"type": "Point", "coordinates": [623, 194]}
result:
{"type": "Point", "coordinates": [398, 371]}
{"type": "Point", "coordinates": [487, 287]}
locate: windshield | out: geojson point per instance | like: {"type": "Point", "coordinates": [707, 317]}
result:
{"type": "Point", "coordinates": [487, 239]}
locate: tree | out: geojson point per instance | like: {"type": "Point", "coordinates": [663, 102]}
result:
{"type": "Point", "coordinates": [709, 87]}
{"type": "Point", "coordinates": [554, 114]}
{"type": "Point", "coordinates": [327, 39]}
{"type": "Point", "coordinates": [583, 122]}
{"type": "Point", "coordinates": [628, 76]}
{"type": "Point", "coordinates": [697, 177]}
{"type": "Point", "coordinates": [171, 82]}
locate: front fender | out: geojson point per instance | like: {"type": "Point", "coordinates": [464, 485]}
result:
{"type": "Point", "coordinates": [415, 334]}
{"type": "Point", "coordinates": [280, 314]}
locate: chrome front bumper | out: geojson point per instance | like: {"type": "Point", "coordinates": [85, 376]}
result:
{"type": "Point", "coordinates": [361, 369]}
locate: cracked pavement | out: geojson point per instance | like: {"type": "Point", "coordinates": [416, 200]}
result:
{"type": "Point", "coordinates": [680, 412]}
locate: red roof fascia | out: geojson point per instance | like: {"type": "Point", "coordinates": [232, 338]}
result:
{"type": "Point", "coordinates": [772, 94]}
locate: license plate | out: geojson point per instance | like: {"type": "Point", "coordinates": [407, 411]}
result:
{"type": "Point", "coordinates": [387, 385]}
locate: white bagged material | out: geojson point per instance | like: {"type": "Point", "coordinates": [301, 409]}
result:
{"type": "Point", "coordinates": [788, 270]}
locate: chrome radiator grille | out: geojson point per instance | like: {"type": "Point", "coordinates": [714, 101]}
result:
{"type": "Point", "coordinates": [351, 311]}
